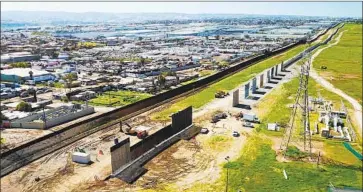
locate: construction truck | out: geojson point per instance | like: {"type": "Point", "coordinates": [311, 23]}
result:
{"type": "Point", "coordinates": [239, 115]}
{"type": "Point", "coordinates": [221, 94]}
{"type": "Point", "coordinates": [218, 117]}
{"type": "Point", "coordinates": [250, 118]}
{"type": "Point", "coordinates": [140, 132]}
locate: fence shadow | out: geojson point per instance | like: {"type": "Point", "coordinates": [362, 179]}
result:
{"type": "Point", "coordinates": [243, 106]}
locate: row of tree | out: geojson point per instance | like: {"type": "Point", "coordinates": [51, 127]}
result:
{"type": "Point", "coordinates": [20, 65]}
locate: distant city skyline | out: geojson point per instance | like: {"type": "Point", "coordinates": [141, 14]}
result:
{"type": "Point", "coordinates": [331, 9]}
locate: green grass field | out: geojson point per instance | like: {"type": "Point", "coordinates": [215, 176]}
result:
{"type": "Point", "coordinates": [258, 170]}
{"type": "Point", "coordinates": [206, 95]}
{"type": "Point", "coordinates": [119, 98]}
{"type": "Point", "coordinates": [206, 73]}
{"type": "Point", "coordinates": [274, 107]}
{"type": "Point", "coordinates": [344, 62]}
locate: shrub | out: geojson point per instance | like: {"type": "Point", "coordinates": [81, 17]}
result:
{"type": "Point", "coordinates": [295, 153]}
{"type": "Point", "coordinates": [65, 99]}
{"type": "Point", "coordinates": [20, 65]}
{"type": "Point", "coordinates": [24, 106]}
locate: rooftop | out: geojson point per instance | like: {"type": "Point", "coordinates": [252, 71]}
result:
{"type": "Point", "coordinates": [23, 72]}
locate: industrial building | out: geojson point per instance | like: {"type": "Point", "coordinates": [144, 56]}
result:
{"type": "Point", "coordinates": [18, 57]}
{"type": "Point", "coordinates": [22, 74]}
{"type": "Point", "coordinates": [53, 117]}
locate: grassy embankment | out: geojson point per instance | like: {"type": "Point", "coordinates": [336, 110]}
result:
{"type": "Point", "coordinates": [206, 95]}
{"type": "Point", "coordinates": [327, 34]}
{"type": "Point", "coordinates": [344, 62]}
{"type": "Point", "coordinates": [118, 98]}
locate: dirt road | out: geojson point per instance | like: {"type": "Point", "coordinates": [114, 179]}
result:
{"type": "Point", "coordinates": [357, 107]}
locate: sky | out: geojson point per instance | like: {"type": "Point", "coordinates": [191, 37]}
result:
{"type": "Point", "coordinates": [333, 9]}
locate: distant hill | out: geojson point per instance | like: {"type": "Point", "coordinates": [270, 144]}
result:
{"type": "Point", "coordinates": [49, 17]}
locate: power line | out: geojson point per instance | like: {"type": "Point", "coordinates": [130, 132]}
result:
{"type": "Point", "coordinates": [301, 104]}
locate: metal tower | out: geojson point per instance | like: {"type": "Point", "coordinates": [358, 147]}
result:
{"type": "Point", "coordinates": [301, 104]}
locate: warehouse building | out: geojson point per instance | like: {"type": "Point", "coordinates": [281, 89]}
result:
{"type": "Point", "coordinates": [18, 57]}
{"type": "Point", "coordinates": [22, 74]}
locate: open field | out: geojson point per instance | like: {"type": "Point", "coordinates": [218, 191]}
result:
{"type": "Point", "coordinates": [118, 98]}
{"type": "Point", "coordinates": [229, 83]}
{"type": "Point", "coordinates": [344, 62]}
{"type": "Point", "coordinates": [258, 167]}
{"type": "Point", "coordinates": [274, 107]}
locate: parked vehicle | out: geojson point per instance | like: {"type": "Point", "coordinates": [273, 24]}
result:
{"type": "Point", "coordinates": [7, 95]}
{"type": "Point", "coordinates": [251, 118]}
{"type": "Point", "coordinates": [29, 82]}
{"type": "Point", "coordinates": [4, 95]}
{"type": "Point", "coordinates": [221, 94]}
{"type": "Point", "coordinates": [248, 124]}
{"type": "Point", "coordinates": [235, 134]}
{"type": "Point", "coordinates": [39, 92]}
{"type": "Point", "coordinates": [218, 117]}
{"type": "Point", "coordinates": [127, 129]}
{"type": "Point", "coordinates": [24, 94]}
{"type": "Point", "coordinates": [142, 134]}
{"type": "Point", "coordinates": [204, 131]}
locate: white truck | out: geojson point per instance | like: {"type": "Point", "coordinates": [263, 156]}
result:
{"type": "Point", "coordinates": [250, 118]}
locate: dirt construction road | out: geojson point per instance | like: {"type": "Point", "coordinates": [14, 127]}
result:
{"type": "Point", "coordinates": [330, 87]}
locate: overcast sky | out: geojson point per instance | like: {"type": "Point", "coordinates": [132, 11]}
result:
{"type": "Point", "coordinates": [335, 9]}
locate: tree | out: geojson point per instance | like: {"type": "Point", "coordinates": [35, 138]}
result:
{"type": "Point", "coordinates": [142, 62]}
{"type": "Point", "coordinates": [223, 64]}
{"type": "Point", "coordinates": [55, 55]}
{"type": "Point", "coordinates": [20, 65]}
{"type": "Point", "coordinates": [31, 75]}
{"type": "Point", "coordinates": [161, 79]}
{"type": "Point", "coordinates": [68, 79]}
{"type": "Point", "coordinates": [247, 36]}
{"type": "Point", "coordinates": [24, 106]}
{"type": "Point", "coordinates": [3, 117]}
{"type": "Point", "coordinates": [65, 99]}
{"type": "Point", "coordinates": [217, 37]}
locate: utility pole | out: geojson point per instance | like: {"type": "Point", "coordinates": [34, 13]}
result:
{"type": "Point", "coordinates": [45, 119]}
{"type": "Point", "coordinates": [318, 160]}
{"type": "Point", "coordinates": [227, 159]}
{"type": "Point", "coordinates": [302, 103]}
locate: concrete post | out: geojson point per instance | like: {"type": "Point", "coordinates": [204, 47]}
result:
{"type": "Point", "coordinates": [272, 72]}
{"type": "Point", "coordinates": [261, 81]}
{"type": "Point", "coordinates": [235, 98]}
{"type": "Point", "coordinates": [247, 90]}
{"type": "Point", "coordinates": [254, 85]}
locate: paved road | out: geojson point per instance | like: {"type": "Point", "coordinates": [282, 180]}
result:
{"type": "Point", "coordinates": [357, 107]}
